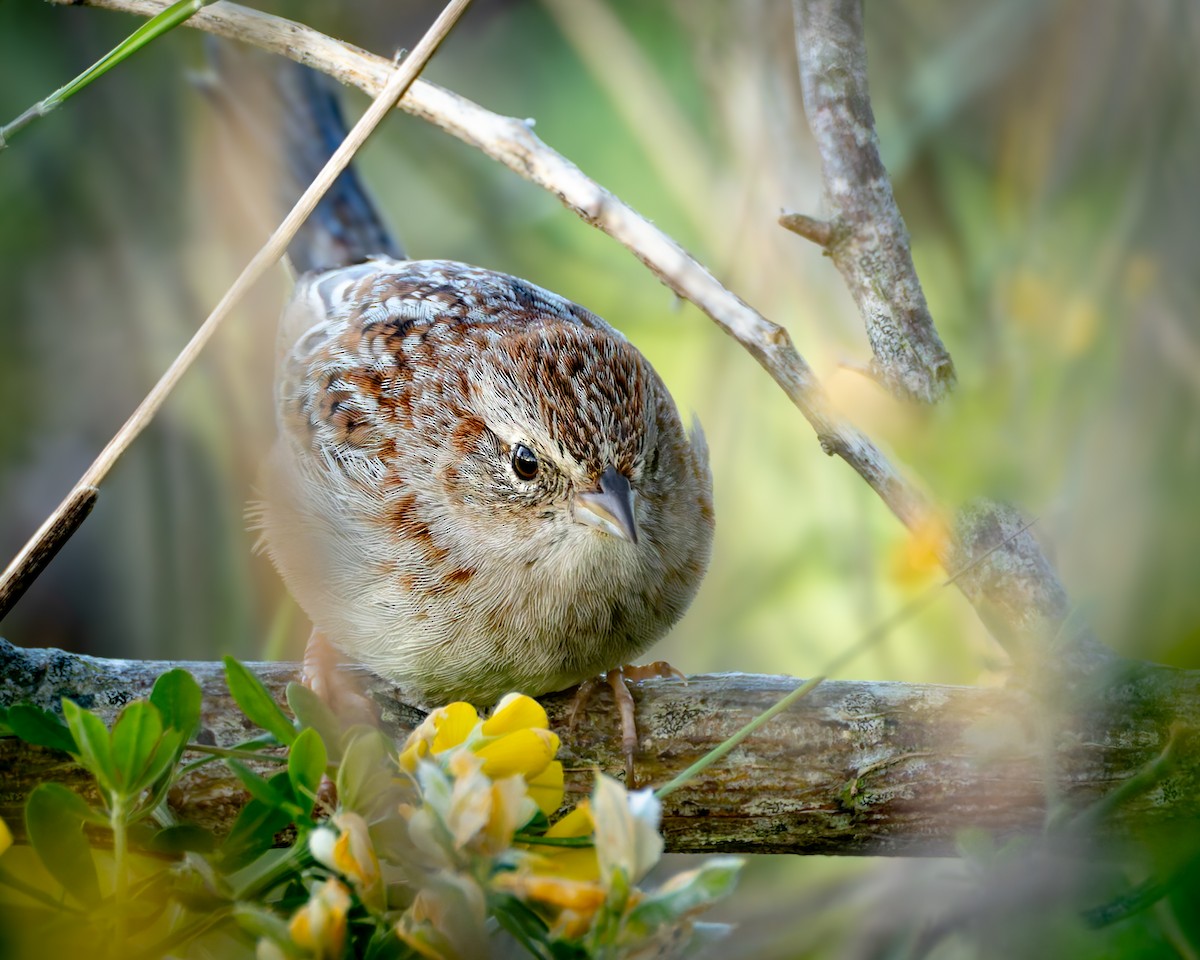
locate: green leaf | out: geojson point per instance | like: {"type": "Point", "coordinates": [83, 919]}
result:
{"type": "Point", "coordinates": [313, 712]}
{"type": "Point", "coordinates": [183, 837]}
{"type": "Point", "coordinates": [260, 923]}
{"type": "Point", "coordinates": [171, 747]}
{"type": "Point", "coordinates": [525, 926]}
{"type": "Point", "coordinates": [686, 893]}
{"type": "Point", "coordinates": [256, 703]}
{"type": "Point", "coordinates": [135, 739]}
{"type": "Point", "coordinates": [94, 744]}
{"type": "Point", "coordinates": [54, 819]}
{"type": "Point", "coordinates": [253, 833]}
{"type": "Point", "coordinates": [40, 727]}
{"type": "Point", "coordinates": [261, 789]}
{"type": "Point", "coordinates": [166, 20]}
{"type": "Point", "coordinates": [385, 945]}
{"type": "Point", "coordinates": [5, 729]}
{"type": "Point", "coordinates": [306, 766]}
{"type": "Point", "coordinates": [367, 774]}
{"type": "Point", "coordinates": [177, 696]}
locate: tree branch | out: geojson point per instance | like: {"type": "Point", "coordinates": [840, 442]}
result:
{"type": "Point", "coordinates": [866, 237]}
{"type": "Point", "coordinates": [854, 768]}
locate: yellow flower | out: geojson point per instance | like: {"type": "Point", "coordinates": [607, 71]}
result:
{"type": "Point", "coordinates": [574, 863]}
{"type": "Point", "coordinates": [5, 837]}
{"type": "Point", "coordinates": [571, 904]}
{"type": "Point", "coordinates": [447, 920]}
{"type": "Point", "coordinates": [627, 837]}
{"type": "Point", "coordinates": [917, 558]}
{"type": "Point", "coordinates": [444, 728]}
{"type": "Point", "coordinates": [320, 925]}
{"type": "Point", "coordinates": [523, 752]}
{"type": "Point", "coordinates": [563, 881]}
{"type": "Point", "coordinates": [511, 809]}
{"type": "Point", "coordinates": [514, 741]}
{"type": "Point", "coordinates": [481, 779]}
{"type": "Point", "coordinates": [351, 853]}
{"type": "Point", "coordinates": [515, 711]}
{"type": "Point", "coordinates": [482, 814]}
{"type": "Point", "coordinates": [546, 788]}
{"type": "Point", "coordinates": [576, 895]}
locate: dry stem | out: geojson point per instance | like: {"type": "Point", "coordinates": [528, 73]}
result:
{"type": "Point", "coordinates": [866, 238]}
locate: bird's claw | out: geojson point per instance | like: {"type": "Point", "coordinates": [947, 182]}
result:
{"type": "Point", "coordinates": [618, 680]}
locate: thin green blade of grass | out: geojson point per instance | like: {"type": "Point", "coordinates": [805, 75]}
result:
{"type": "Point", "coordinates": [873, 636]}
{"type": "Point", "coordinates": [151, 30]}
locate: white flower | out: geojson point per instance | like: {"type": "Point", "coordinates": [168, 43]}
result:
{"type": "Point", "coordinates": [627, 837]}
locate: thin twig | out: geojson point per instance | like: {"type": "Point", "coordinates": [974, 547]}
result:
{"type": "Point", "coordinates": [59, 528]}
{"type": "Point", "coordinates": [866, 237]}
{"type": "Point", "coordinates": [393, 89]}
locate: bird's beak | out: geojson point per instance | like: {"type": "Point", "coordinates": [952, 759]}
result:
{"type": "Point", "coordinates": [610, 507]}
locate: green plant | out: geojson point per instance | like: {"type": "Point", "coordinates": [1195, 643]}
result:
{"type": "Point", "coordinates": [442, 848]}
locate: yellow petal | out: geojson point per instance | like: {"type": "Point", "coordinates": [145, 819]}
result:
{"type": "Point", "coordinates": [5, 837]}
{"type": "Point", "coordinates": [570, 863]}
{"type": "Point", "coordinates": [511, 810]}
{"type": "Point", "coordinates": [354, 856]}
{"type": "Point", "coordinates": [577, 823]}
{"type": "Point", "coordinates": [413, 752]}
{"type": "Point", "coordinates": [320, 925]}
{"type": "Point", "coordinates": [917, 558]}
{"type": "Point", "coordinates": [301, 929]}
{"type": "Point", "coordinates": [454, 724]}
{"type": "Point", "coordinates": [571, 925]}
{"type": "Point", "coordinates": [584, 898]}
{"type": "Point", "coordinates": [546, 788]}
{"type": "Point", "coordinates": [515, 712]}
{"type": "Point", "coordinates": [526, 752]}
{"type": "Point", "coordinates": [470, 802]}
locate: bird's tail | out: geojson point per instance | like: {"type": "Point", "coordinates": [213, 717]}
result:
{"type": "Point", "coordinates": [302, 128]}
{"type": "Point", "coordinates": [346, 227]}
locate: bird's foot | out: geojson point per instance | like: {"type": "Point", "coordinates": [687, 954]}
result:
{"type": "Point", "coordinates": [618, 680]}
{"type": "Point", "coordinates": [341, 692]}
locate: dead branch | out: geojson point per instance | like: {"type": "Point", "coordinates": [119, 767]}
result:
{"type": "Point", "coordinates": [854, 768]}
{"type": "Point", "coordinates": [866, 236]}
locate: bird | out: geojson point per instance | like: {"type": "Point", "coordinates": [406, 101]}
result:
{"type": "Point", "coordinates": [478, 486]}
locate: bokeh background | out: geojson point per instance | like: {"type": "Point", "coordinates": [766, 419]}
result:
{"type": "Point", "coordinates": [1045, 154]}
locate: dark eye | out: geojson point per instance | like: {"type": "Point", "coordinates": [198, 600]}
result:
{"type": "Point", "coordinates": [525, 462]}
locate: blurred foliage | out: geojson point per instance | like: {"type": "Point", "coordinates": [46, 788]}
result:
{"type": "Point", "coordinates": [441, 849]}
{"type": "Point", "coordinates": [1045, 156]}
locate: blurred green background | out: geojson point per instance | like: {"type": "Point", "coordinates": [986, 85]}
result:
{"type": "Point", "coordinates": [1045, 154]}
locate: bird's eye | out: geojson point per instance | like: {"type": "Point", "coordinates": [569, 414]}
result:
{"type": "Point", "coordinates": [525, 462]}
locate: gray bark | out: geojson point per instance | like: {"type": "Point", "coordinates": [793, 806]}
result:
{"type": "Point", "coordinates": [854, 768]}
